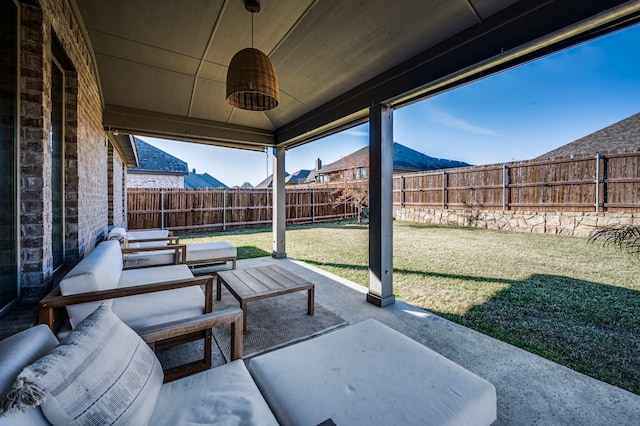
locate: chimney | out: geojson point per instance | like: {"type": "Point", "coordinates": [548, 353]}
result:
{"type": "Point", "coordinates": [318, 164]}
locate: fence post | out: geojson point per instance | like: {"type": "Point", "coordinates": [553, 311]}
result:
{"type": "Point", "coordinates": [597, 182]}
{"type": "Point", "coordinates": [224, 209]}
{"type": "Point", "coordinates": [402, 194]}
{"type": "Point", "coordinates": [504, 187]}
{"type": "Point", "coordinates": [444, 190]}
{"type": "Point", "coordinates": [313, 208]}
{"type": "Point", "coordinates": [162, 209]}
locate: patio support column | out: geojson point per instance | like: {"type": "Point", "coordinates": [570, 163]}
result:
{"type": "Point", "coordinates": [279, 210]}
{"type": "Point", "coordinates": [381, 206]}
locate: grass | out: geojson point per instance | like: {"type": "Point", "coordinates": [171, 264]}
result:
{"type": "Point", "coordinates": [561, 297]}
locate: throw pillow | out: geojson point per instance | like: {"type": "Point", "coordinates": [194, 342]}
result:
{"type": "Point", "coordinates": [103, 373]}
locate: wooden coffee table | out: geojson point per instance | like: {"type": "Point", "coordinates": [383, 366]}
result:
{"type": "Point", "coordinates": [248, 285]}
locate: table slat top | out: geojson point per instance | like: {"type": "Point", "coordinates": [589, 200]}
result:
{"type": "Point", "coordinates": [252, 282]}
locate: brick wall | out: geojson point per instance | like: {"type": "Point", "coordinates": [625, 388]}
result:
{"type": "Point", "coordinates": [85, 145]}
{"type": "Point", "coordinates": [136, 180]}
{"type": "Point", "coordinates": [116, 187]}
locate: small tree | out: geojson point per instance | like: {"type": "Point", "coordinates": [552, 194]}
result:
{"type": "Point", "coordinates": [356, 185]}
{"type": "Point", "coordinates": [624, 237]}
{"type": "Point", "coordinates": [246, 185]}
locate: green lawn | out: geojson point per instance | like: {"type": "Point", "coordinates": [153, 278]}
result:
{"type": "Point", "coordinates": [568, 300]}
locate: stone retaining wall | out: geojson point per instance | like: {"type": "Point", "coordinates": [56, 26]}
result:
{"type": "Point", "coordinates": [544, 222]}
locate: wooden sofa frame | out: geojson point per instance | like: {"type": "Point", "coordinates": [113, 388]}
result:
{"type": "Point", "coordinates": [52, 312]}
{"type": "Point", "coordinates": [173, 242]}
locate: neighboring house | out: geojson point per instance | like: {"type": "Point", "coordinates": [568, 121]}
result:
{"type": "Point", "coordinates": [156, 169]}
{"type": "Point", "coordinates": [623, 136]}
{"type": "Point", "coordinates": [356, 165]}
{"type": "Point", "coordinates": [290, 179]}
{"type": "Point", "coordinates": [204, 180]}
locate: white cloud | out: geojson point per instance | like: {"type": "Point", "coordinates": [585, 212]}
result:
{"type": "Point", "coordinates": [445, 119]}
{"type": "Point", "coordinates": [359, 133]}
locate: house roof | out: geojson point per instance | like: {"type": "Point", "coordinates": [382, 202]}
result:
{"type": "Point", "coordinates": [297, 177]}
{"type": "Point", "coordinates": [334, 58]}
{"type": "Point", "coordinates": [152, 160]}
{"type": "Point", "coordinates": [623, 136]}
{"type": "Point", "coordinates": [268, 182]}
{"type": "Point", "coordinates": [204, 180]}
{"type": "Point", "coordinates": [294, 178]}
{"type": "Point", "coordinates": [404, 159]}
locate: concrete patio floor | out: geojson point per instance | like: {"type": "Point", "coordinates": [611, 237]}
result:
{"type": "Point", "coordinates": [530, 389]}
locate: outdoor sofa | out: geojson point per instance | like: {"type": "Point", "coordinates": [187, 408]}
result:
{"type": "Point", "coordinates": [363, 374]}
{"type": "Point", "coordinates": [141, 298]}
{"type": "Point", "coordinates": [213, 256]}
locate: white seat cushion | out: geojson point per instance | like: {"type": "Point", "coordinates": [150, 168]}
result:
{"type": "Point", "coordinates": [208, 251]}
{"type": "Point", "coordinates": [196, 253]}
{"type": "Point", "coordinates": [370, 374]}
{"type": "Point", "coordinates": [132, 236]}
{"type": "Point", "coordinates": [148, 309]}
{"type": "Point", "coordinates": [132, 277]}
{"type": "Point", "coordinates": [224, 395]}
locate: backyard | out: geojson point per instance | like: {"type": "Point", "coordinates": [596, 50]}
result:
{"type": "Point", "coordinates": [566, 299]}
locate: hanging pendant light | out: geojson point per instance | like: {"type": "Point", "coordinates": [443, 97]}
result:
{"type": "Point", "coordinates": [252, 83]}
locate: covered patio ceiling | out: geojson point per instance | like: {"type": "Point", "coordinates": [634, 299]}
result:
{"type": "Point", "coordinates": [162, 64]}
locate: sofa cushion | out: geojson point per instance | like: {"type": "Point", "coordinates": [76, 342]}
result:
{"type": "Point", "coordinates": [145, 258]}
{"type": "Point", "coordinates": [223, 395]}
{"type": "Point", "coordinates": [369, 373]}
{"type": "Point", "coordinates": [208, 251]}
{"type": "Point", "coordinates": [117, 234]}
{"type": "Point", "coordinates": [99, 270]}
{"type": "Point", "coordinates": [196, 253]}
{"type": "Point", "coordinates": [16, 352]}
{"type": "Point", "coordinates": [148, 309]}
{"type": "Point", "coordinates": [103, 373]}
{"type": "Point", "coordinates": [145, 234]}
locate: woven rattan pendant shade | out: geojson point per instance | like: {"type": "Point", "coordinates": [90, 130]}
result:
{"type": "Point", "coordinates": [252, 83]}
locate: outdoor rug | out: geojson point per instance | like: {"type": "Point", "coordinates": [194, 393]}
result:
{"type": "Point", "coordinates": [274, 322]}
{"type": "Point", "coordinates": [271, 323]}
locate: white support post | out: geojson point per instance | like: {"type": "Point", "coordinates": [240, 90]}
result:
{"type": "Point", "coordinates": [279, 208]}
{"type": "Point", "coordinates": [381, 206]}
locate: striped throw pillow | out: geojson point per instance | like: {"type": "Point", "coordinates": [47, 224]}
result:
{"type": "Point", "coordinates": [102, 374]}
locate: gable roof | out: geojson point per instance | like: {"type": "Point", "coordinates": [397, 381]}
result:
{"type": "Point", "coordinates": [203, 180]}
{"type": "Point", "coordinates": [298, 177]}
{"type": "Point", "coordinates": [152, 160]}
{"type": "Point", "coordinates": [623, 136]}
{"type": "Point", "coordinates": [404, 159]}
{"type": "Point", "coordinates": [268, 182]}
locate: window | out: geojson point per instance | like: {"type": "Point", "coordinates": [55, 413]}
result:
{"type": "Point", "coordinates": [9, 278]}
{"type": "Point", "coordinates": [360, 173]}
{"type": "Point", "coordinates": [56, 139]}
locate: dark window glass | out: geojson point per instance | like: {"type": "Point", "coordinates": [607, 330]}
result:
{"type": "Point", "coordinates": [57, 166]}
{"type": "Point", "coordinates": [8, 136]}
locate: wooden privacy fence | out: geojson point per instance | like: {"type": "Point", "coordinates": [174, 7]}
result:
{"type": "Point", "coordinates": [596, 183]}
{"type": "Point", "coordinates": [206, 209]}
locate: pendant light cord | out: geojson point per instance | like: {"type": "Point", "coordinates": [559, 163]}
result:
{"type": "Point", "coordinates": [252, 30]}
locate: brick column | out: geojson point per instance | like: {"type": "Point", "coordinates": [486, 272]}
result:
{"type": "Point", "coordinates": [35, 154]}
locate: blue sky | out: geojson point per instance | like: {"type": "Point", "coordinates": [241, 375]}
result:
{"type": "Point", "coordinates": [515, 115]}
